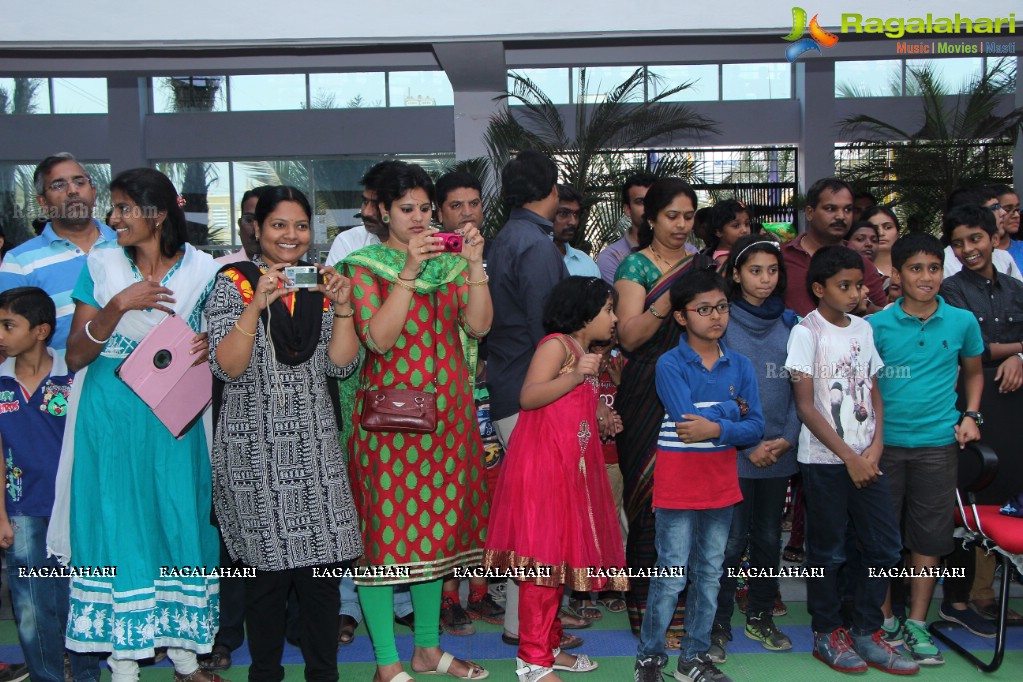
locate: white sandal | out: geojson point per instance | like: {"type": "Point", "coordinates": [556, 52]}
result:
{"type": "Point", "coordinates": [476, 671]}
{"type": "Point", "coordinates": [582, 664]}
{"type": "Point", "coordinates": [528, 672]}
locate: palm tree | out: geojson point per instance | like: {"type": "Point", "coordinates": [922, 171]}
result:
{"type": "Point", "coordinates": [618, 121]}
{"type": "Point", "coordinates": [956, 144]}
{"type": "Point", "coordinates": [194, 94]}
{"type": "Point", "coordinates": [17, 194]}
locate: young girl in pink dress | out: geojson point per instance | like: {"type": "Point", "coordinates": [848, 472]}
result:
{"type": "Point", "coordinates": [553, 517]}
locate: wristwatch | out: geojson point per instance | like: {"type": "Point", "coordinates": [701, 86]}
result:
{"type": "Point", "coordinates": [975, 416]}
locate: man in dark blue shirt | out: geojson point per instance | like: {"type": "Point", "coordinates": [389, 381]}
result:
{"type": "Point", "coordinates": [524, 265]}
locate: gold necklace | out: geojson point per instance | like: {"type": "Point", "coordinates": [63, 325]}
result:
{"type": "Point", "coordinates": [667, 265]}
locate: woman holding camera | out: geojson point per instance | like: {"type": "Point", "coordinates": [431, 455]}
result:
{"type": "Point", "coordinates": [281, 492]}
{"type": "Point", "coordinates": [139, 497]}
{"type": "Point", "coordinates": [420, 495]}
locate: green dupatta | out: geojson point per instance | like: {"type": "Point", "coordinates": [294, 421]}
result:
{"type": "Point", "coordinates": [385, 262]}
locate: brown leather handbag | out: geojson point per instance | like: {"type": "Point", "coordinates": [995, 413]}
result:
{"type": "Point", "coordinates": [399, 409]}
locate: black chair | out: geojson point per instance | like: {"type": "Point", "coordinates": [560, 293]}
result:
{"type": "Point", "coordinates": [983, 526]}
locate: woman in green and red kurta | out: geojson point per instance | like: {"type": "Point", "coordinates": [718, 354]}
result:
{"type": "Point", "coordinates": [420, 497]}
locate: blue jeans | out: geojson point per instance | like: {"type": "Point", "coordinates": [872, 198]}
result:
{"type": "Point", "coordinates": [40, 606]}
{"type": "Point", "coordinates": [756, 521]}
{"type": "Point", "coordinates": [832, 502]}
{"type": "Point", "coordinates": [695, 539]}
{"type": "Point", "coordinates": [350, 605]}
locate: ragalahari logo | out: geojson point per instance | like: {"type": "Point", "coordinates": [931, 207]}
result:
{"type": "Point", "coordinates": [817, 39]}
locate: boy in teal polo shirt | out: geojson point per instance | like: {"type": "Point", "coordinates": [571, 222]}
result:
{"type": "Point", "coordinates": [923, 342]}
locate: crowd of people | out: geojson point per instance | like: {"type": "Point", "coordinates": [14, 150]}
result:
{"type": "Point", "coordinates": [617, 434]}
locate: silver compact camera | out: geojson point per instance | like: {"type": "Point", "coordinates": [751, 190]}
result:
{"type": "Point", "coordinates": [302, 276]}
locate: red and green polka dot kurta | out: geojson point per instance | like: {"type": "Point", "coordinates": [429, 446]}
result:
{"type": "Point", "coordinates": [420, 497]}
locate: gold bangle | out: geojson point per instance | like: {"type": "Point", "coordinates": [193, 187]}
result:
{"type": "Point", "coordinates": [405, 285]}
{"type": "Point", "coordinates": [251, 335]}
{"type": "Point", "coordinates": [345, 317]}
{"type": "Point", "coordinates": [653, 311]}
{"type": "Point", "coordinates": [478, 283]}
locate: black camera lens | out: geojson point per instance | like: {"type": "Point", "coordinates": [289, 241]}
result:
{"type": "Point", "coordinates": [162, 359]}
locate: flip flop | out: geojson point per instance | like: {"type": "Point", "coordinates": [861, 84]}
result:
{"type": "Point", "coordinates": [612, 604]}
{"type": "Point", "coordinates": [585, 609]}
{"type": "Point", "coordinates": [568, 641]}
{"type": "Point", "coordinates": [476, 671]}
{"type": "Point", "coordinates": [581, 622]}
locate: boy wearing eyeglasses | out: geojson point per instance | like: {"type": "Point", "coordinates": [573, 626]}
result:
{"type": "Point", "coordinates": [711, 406]}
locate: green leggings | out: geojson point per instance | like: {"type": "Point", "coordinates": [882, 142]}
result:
{"type": "Point", "coordinates": [378, 610]}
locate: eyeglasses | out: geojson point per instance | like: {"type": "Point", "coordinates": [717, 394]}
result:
{"type": "Point", "coordinates": [1011, 209]}
{"type": "Point", "coordinates": [62, 185]}
{"type": "Point", "coordinates": [706, 310]}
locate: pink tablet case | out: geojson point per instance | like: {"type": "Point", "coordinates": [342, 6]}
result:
{"type": "Point", "coordinates": [160, 372]}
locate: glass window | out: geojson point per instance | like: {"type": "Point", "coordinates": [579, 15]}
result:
{"type": "Point", "coordinates": [1004, 69]}
{"type": "Point", "coordinates": [704, 79]}
{"type": "Point", "coordinates": [876, 78]}
{"type": "Point", "coordinates": [79, 95]}
{"type": "Point", "coordinates": [756, 81]}
{"type": "Point", "coordinates": [347, 90]}
{"type": "Point", "coordinates": [267, 92]}
{"type": "Point", "coordinates": [955, 75]}
{"type": "Point", "coordinates": [600, 80]}
{"type": "Point", "coordinates": [552, 82]}
{"type": "Point", "coordinates": [206, 189]}
{"type": "Point", "coordinates": [420, 89]}
{"type": "Point", "coordinates": [24, 96]}
{"type": "Point", "coordinates": [178, 94]}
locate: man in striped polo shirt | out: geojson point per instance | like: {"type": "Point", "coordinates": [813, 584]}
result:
{"type": "Point", "coordinates": [53, 260]}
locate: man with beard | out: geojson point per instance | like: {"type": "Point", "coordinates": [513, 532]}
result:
{"type": "Point", "coordinates": [566, 222]}
{"type": "Point", "coordinates": [633, 191]}
{"type": "Point", "coordinates": [829, 211]}
{"type": "Point", "coordinates": [53, 260]}
{"type": "Point", "coordinates": [373, 230]}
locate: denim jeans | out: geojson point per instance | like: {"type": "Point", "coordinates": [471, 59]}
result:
{"type": "Point", "coordinates": [832, 501]}
{"type": "Point", "coordinates": [350, 605]}
{"type": "Point", "coordinates": [40, 606]}
{"type": "Point", "coordinates": [695, 539]}
{"type": "Point", "coordinates": [756, 521]}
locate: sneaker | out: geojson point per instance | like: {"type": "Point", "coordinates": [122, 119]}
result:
{"type": "Point", "coordinates": [649, 669]}
{"type": "Point", "coordinates": [699, 669]}
{"type": "Point", "coordinates": [879, 654]}
{"type": "Point", "coordinates": [486, 609]}
{"type": "Point", "coordinates": [835, 650]}
{"type": "Point", "coordinates": [454, 619]}
{"type": "Point", "coordinates": [720, 636]}
{"type": "Point", "coordinates": [920, 644]}
{"type": "Point", "coordinates": [13, 672]}
{"type": "Point", "coordinates": [969, 619]}
{"type": "Point", "coordinates": [763, 630]}
{"type": "Point", "coordinates": [896, 636]}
